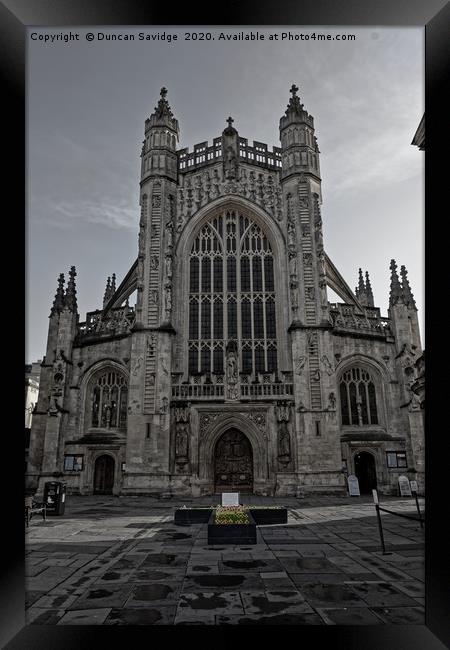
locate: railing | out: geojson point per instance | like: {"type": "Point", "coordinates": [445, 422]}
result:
{"type": "Point", "coordinates": [369, 321]}
{"type": "Point", "coordinates": [200, 387]}
{"type": "Point", "coordinates": [117, 321]}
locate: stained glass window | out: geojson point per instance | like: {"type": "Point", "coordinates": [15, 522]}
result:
{"type": "Point", "coordinates": [358, 398]}
{"type": "Point", "coordinates": [231, 296]}
{"type": "Point", "coordinates": [109, 397]}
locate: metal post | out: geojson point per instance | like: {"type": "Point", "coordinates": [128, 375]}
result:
{"type": "Point", "coordinates": [418, 508]}
{"type": "Point", "coordinates": [380, 528]}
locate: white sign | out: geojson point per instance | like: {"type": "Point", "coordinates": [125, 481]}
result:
{"type": "Point", "coordinates": [230, 498]}
{"type": "Point", "coordinates": [414, 486]}
{"type": "Point", "coordinates": [375, 496]}
{"type": "Point", "coordinates": [353, 486]}
{"type": "Point", "coordinates": [405, 488]}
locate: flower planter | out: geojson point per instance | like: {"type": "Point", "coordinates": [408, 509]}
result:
{"type": "Point", "coordinates": [236, 534]}
{"type": "Point", "coordinates": [261, 516]}
{"type": "Point", "coordinates": [266, 516]}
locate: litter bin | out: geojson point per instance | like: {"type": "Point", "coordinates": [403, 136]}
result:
{"type": "Point", "coordinates": [55, 497]}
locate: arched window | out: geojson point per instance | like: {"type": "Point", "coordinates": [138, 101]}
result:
{"type": "Point", "coordinates": [358, 398]}
{"type": "Point", "coordinates": [108, 397]}
{"type": "Point", "coordinates": [231, 296]}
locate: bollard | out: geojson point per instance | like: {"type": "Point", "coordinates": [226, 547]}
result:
{"type": "Point", "coordinates": [380, 526]}
{"type": "Point", "coordinates": [418, 508]}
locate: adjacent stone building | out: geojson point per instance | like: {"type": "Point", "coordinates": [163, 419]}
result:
{"type": "Point", "coordinates": [230, 370]}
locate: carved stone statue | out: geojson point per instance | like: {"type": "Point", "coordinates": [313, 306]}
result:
{"type": "Point", "coordinates": [164, 406]}
{"type": "Point", "coordinates": [181, 442]}
{"type": "Point", "coordinates": [169, 236]}
{"type": "Point", "coordinates": [232, 368]}
{"type": "Point", "coordinates": [293, 264]}
{"type": "Point", "coordinates": [230, 163]}
{"type": "Point", "coordinates": [284, 443]}
{"type": "Point", "coordinates": [332, 402]}
{"type": "Point", "coordinates": [168, 299]}
{"type": "Point", "coordinates": [291, 233]}
{"type": "Point", "coordinates": [294, 296]}
{"type": "Point", "coordinates": [168, 266]}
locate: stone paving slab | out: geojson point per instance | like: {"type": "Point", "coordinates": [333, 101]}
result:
{"type": "Point", "coordinates": [130, 565]}
{"type": "Point", "coordinates": [85, 617]}
{"type": "Point", "coordinates": [148, 616]}
{"type": "Point", "coordinates": [349, 616]}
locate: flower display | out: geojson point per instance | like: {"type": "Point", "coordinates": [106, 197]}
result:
{"type": "Point", "coordinates": [231, 515]}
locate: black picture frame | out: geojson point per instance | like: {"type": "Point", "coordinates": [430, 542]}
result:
{"type": "Point", "coordinates": [15, 16]}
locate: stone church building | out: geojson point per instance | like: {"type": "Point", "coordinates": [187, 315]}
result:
{"type": "Point", "coordinates": [218, 362]}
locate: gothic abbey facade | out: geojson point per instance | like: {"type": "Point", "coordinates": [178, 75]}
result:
{"type": "Point", "coordinates": [230, 370]}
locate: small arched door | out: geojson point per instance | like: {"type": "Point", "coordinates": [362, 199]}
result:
{"type": "Point", "coordinates": [104, 475]}
{"type": "Point", "coordinates": [233, 463]}
{"type": "Point", "coordinates": [366, 472]}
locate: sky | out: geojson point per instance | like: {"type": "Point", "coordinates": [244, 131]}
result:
{"type": "Point", "coordinates": [86, 107]}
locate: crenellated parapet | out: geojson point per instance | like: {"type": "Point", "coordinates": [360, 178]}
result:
{"type": "Point", "coordinates": [204, 155]}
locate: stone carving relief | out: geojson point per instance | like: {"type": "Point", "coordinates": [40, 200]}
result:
{"type": "Point", "coordinates": [205, 186]}
{"type": "Point", "coordinates": [327, 365]}
{"type": "Point", "coordinates": [153, 296]}
{"type": "Point", "coordinates": [310, 293]}
{"type": "Point", "coordinates": [311, 339]}
{"type": "Point", "coordinates": [258, 417]}
{"type": "Point", "coordinates": [151, 344]}
{"type": "Point", "coordinates": [137, 365]}
{"type": "Point", "coordinates": [168, 300]}
{"type": "Point", "coordinates": [299, 364]}
{"type": "Point", "coordinates": [282, 411]}
{"type": "Point", "coordinates": [154, 262]}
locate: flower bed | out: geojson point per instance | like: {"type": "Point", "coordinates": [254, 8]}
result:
{"type": "Point", "coordinates": [226, 515]}
{"type": "Point", "coordinates": [231, 525]}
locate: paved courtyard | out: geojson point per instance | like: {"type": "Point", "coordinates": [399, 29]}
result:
{"type": "Point", "coordinates": [122, 561]}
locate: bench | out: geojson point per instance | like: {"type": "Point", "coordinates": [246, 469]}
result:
{"type": "Point", "coordinates": [32, 507]}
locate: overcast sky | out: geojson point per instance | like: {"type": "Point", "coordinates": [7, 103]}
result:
{"type": "Point", "coordinates": [87, 103]}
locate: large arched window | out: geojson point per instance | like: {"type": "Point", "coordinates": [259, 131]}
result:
{"type": "Point", "coordinates": [231, 296]}
{"type": "Point", "coordinates": [358, 397]}
{"type": "Point", "coordinates": [108, 396]}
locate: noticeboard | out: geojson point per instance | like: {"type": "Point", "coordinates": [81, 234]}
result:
{"type": "Point", "coordinates": [353, 486]}
{"type": "Point", "coordinates": [405, 488]}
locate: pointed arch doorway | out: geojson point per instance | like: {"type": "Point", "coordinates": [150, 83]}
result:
{"type": "Point", "coordinates": [233, 463]}
{"type": "Point", "coordinates": [366, 472]}
{"type": "Point", "coordinates": [104, 474]}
